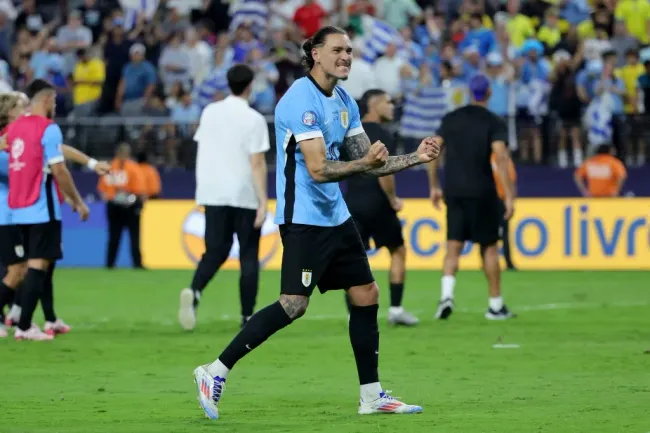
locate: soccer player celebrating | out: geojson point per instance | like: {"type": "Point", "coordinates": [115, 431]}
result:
{"type": "Point", "coordinates": [314, 121]}
{"type": "Point", "coordinates": [374, 204]}
{"type": "Point", "coordinates": [474, 213]}
{"type": "Point", "coordinates": [36, 160]}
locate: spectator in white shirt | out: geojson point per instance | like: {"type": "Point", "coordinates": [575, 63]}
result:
{"type": "Point", "coordinates": [231, 184]}
{"type": "Point", "coordinates": [361, 78]}
{"type": "Point", "coordinates": [390, 69]}
{"type": "Point", "coordinates": [200, 55]}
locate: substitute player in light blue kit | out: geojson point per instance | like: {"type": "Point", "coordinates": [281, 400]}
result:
{"type": "Point", "coordinates": [316, 123]}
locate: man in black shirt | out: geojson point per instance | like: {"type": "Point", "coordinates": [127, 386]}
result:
{"type": "Point", "coordinates": [374, 205]}
{"type": "Point", "coordinates": [470, 134]}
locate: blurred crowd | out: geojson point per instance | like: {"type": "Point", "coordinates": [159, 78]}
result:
{"type": "Point", "coordinates": [569, 75]}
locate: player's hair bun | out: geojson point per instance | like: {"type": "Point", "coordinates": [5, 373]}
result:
{"type": "Point", "coordinates": [307, 58]}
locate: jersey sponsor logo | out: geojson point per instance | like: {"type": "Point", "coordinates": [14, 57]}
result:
{"type": "Point", "coordinates": [306, 277]}
{"type": "Point", "coordinates": [17, 150]}
{"type": "Point", "coordinates": [309, 118]}
{"type": "Point", "coordinates": [345, 120]}
{"type": "Point", "coordinates": [20, 251]}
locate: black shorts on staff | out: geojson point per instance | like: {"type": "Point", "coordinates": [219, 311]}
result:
{"type": "Point", "coordinates": [473, 219]}
{"type": "Point", "coordinates": [384, 227]}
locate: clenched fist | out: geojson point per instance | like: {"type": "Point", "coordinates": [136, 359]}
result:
{"type": "Point", "coordinates": [377, 155]}
{"type": "Point", "coordinates": [428, 150]}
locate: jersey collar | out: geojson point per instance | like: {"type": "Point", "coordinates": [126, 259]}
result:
{"type": "Point", "coordinates": [329, 95]}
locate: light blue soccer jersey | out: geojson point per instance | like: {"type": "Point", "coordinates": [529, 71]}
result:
{"type": "Point", "coordinates": [42, 211]}
{"type": "Point", "coordinates": [5, 212]}
{"type": "Point", "coordinates": [303, 113]}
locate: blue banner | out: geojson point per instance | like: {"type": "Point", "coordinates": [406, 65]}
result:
{"type": "Point", "coordinates": [84, 243]}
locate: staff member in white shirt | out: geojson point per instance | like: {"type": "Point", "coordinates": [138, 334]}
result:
{"type": "Point", "coordinates": [231, 184]}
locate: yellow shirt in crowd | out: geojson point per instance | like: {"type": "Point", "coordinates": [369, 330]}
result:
{"type": "Point", "coordinates": [93, 70]}
{"type": "Point", "coordinates": [636, 14]}
{"type": "Point", "coordinates": [630, 74]}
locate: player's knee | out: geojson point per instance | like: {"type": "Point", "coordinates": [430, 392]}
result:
{"type": "Point", "coordinates": [362, 296]}
{"type": "Point", "coordinates": [398, 255]}
{"type": "Point", "coordinates": [294, 305]}
{"type": "Point", "coordinates": [38, 264]}
{"type": "Point", "coordinates": [15, 274]}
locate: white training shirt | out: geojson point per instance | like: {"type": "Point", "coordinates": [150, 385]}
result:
{"type": "Point", "coordinates": [229, 132]}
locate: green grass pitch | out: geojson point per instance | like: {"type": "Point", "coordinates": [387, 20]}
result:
{"type": "Point", "coordinates": [582, 365]}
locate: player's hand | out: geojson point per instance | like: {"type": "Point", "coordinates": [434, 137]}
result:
{"type": "Point", "coordinates": [102, 168]}
{"type": "Point", "coordinates": [436, 197]}
{"type": "Point", "coordinates": [82, 210]}
{"type": "Point", "coordinates": [377, 155]}
{"type": "Point", "coordinates": [396, 203]}
{"type": "Point", "coordinates": [260, 217]}
{"type": "Point", "coordinates": [428, 150]}
{"type": "Point", "coordinates": [510, 208]}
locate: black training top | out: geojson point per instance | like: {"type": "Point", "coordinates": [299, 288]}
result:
{"type": "Point", "coordinates": [364, 192]}
{"type": "Point", "coordinates": [468, 133]}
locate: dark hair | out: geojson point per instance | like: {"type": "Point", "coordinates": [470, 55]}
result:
{"type": "Point", "coordinates": [608, 54]}
{"type": "Point", "coordinates": [631, 52]}
{"type": "Point", "coordinates": [141, 157]}
{"type": "Point", "coordinates": [604, 149]}
{"type": "Point", "coordinates": [365, 99]}
{"type": "Point", "coordinates": [316, 41]}
{"type": "Point", "coordinates": [239, 78]}
{"type": "Point", "coordinates": [36, 87]}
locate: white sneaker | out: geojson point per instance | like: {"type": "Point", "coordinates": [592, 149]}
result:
{"type": "Point", "coordinates": [186, 312]}
{"type": "Point", "coordinates": [210, 390]}
{"type": "Point", "coordinates": [387, 404]}
{"type": "Point", "coordinates": [445, 308]}
{"type": "Point", "coordinates": [58, 327]}
{"type": "Point", "coordinates": [3, 331]}
{"type": "Point", "coordinates": [34, 333]}
{"type": "Point", "coordinates": [402, 317]}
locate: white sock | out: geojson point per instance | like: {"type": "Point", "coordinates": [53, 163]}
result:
{"type": "Point", "coordinates": [562, 158]}
{"type": "Point", "coordinates": [218, 369]}
{"type": "Point", "coordinates": [496, 304]}
{"type": "Point", "coordinates": [395, 310]}
{"type": "Point", "coordinates": [15, 311]}
{"type": "Point", "coordinates": [448, 282]}
{"type": "Point", "coordinates": [370, 391]}
{"type": "Point", "coordinates": [577, 157]}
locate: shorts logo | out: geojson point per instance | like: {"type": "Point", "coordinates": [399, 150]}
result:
{"type": "Point", "coordinates": [306, 277]}
{"type": "Point", "coordinates": [309, 118]}
{"type": "Point", "coordinates": [20, 251]}
{"type": "Point", "coordinates": [344, 119]}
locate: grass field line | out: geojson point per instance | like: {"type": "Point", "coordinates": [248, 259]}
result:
{"type": "Point", "coordinates": [421, 313]}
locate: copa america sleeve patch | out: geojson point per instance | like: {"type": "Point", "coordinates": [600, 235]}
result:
{"type": "Point", "coordinates": [309, 118]}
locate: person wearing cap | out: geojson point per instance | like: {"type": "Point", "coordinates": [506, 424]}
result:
{"type": "Point", "coordinates": [500, 77]}
{"type": "Point", "coordinates": [470, 135]}
{"type": "Point", "coordinates": [137, 85]}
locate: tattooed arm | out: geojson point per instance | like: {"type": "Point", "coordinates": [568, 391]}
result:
{"type": "Point", "coordinates": [358, 145]}
{"type": "Point", "coordinates": [323, 170]}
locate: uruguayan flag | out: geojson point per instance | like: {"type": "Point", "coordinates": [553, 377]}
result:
{"type": "Point", "coordinates": [423, 111]}
{"type": "Point", "coordinates": [377, 35]}
{"type": "Point", "coordinates": [599, 119]}
{"type": "Point", "coordinates": [132, 8]}
{"type": "Point", "coordinates": [254, 13]}
{"type": "Point", "coordinates": [214, 83]}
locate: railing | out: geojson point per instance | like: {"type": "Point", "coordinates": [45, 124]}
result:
{"type": "Point", "coordinates": [172, 145]}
